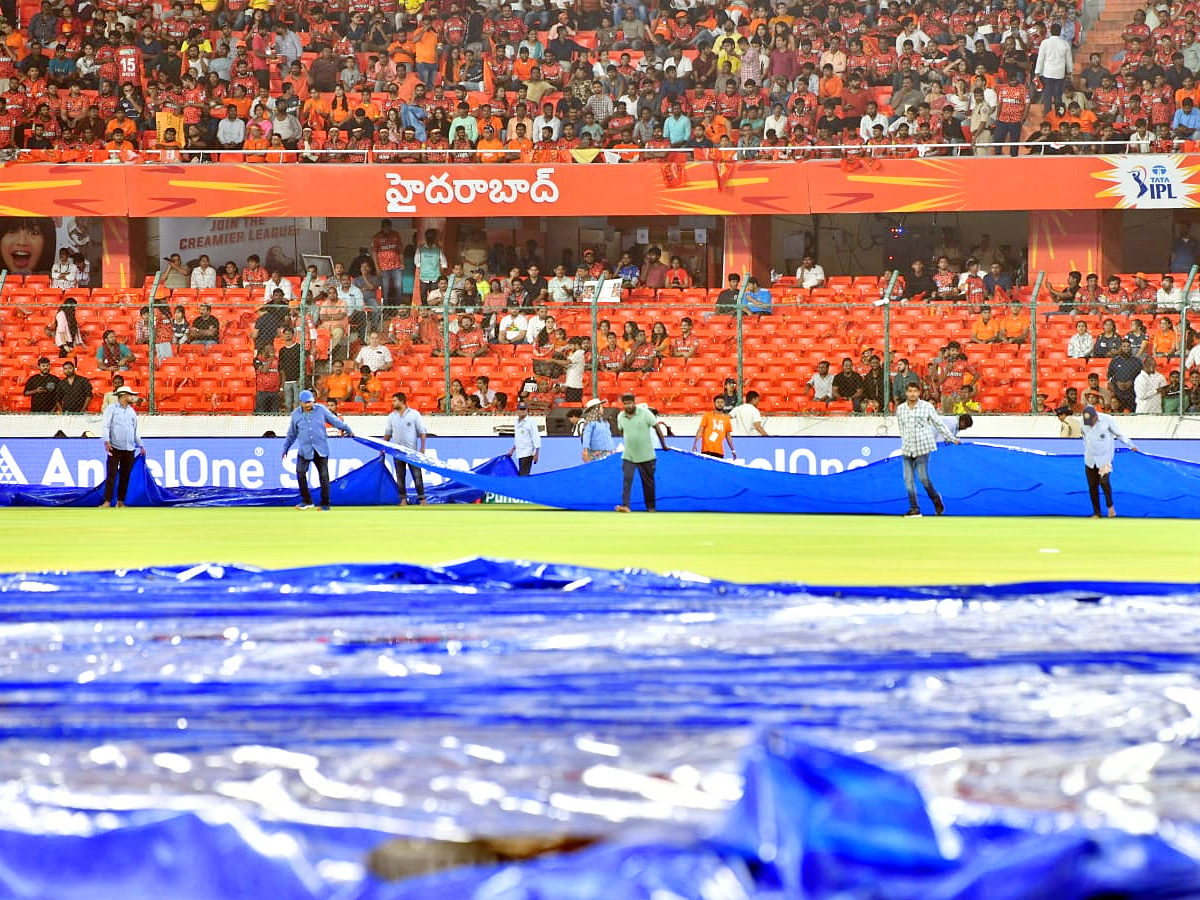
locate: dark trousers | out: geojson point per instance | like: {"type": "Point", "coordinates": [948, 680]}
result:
{"type": "Point", "coordinates": [646, 471]}
{"type": "Point", "coordinates": [1006, 133]}
{"type": "Point", "coordinates": [417, 477]}
{"type": "Point", "coordinates": [322, 464]}
{"type": "Point", "coordinates": [525, 465]}
{"type": "Point", "coordinates": [266, 401]}
{"type": "Point", "coordinates": [1096, 481]}
{"type": "Point", "coordinates": [120, 465]}
{"type": "Point", "coordinates": [574, 395]}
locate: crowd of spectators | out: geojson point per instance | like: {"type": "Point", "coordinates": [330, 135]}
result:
{"type": "Point", "coordinates": [579, 80]}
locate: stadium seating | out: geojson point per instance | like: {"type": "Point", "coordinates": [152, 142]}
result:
{"type": "Point", "coordinates": [781, 351]}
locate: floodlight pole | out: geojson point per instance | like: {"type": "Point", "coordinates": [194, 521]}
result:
{"type": "Point", "coordinates": [152, 337]}
{"type": "Point", "coordinates": [886, 300]}
{"type": "Point", "coordinates": [1033, 356]}
{"type": "Point", "coordinates": [1183, 308]}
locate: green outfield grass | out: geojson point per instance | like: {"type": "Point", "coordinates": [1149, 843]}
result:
{"type": "Point", "coordinates": [815, 549]}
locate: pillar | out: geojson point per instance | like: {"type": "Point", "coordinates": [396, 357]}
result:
{"type": "Point", "coordinates": [747, 247]}
{"type": "Point", "coordinates": [1086, 240]}
{"type": "Point", "coordinates": [124, 252]}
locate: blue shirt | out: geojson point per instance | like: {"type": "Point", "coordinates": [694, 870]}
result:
{"type": "Point", "coordinates": [1190, 121]}
{"type": "Point", "coordinates": [307, 431]}
{"type": "Point", "coordinates": [404, 429]}
{"type": "Point", "coordinates": [757, 301]}
{"type": "Point", "coordinates": [677, 130]}
{"type": "Point", "coordinates": [597, 437]}
{"type": "Point", "coordinates": [120, 429]}
{"type": "Point", "coordinates": [526, 438]}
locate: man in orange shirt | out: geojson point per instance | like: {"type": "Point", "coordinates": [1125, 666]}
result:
{"type": "Point", "coordinates": [520, 147]}
{"type": "Point", "coordinates": [489, 142]}
{"type": "Point", "coordinates": [715, 125]}
{"type": "Point", "coordinates": [424, 49]}
{"type": "Point", "coordinates": [1014, 327]}
{"type": "Point", "coordinates": [338, 385]}
{"type": "Point", "coordinates": [257, 143]}
{"type": "Point", "coordinates": [715, 431]}
{"type": "Point", "coordinates": [986, 330]}
{"type": "Point", "coordinates": [120, 122]}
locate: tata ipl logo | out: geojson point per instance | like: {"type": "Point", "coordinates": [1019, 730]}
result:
{"type": "Point", "coordinates": [1153, 185]}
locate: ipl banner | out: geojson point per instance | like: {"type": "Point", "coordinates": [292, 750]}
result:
{"type": "Point", "coordinates": [255, 463]}
{"type": "Point", "coordinates": [931, 184]}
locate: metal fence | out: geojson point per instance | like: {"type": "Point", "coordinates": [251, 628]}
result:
{"type": "Point", "coordinates": [694, 344]}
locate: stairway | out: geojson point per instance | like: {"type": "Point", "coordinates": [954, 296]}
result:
{"type": "Point", "coordinates": [1104, 37]}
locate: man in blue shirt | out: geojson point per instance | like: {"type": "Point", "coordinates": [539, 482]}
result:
{"type": "Point", "coordinates": [597, 434]}
{"type": "Point", "coordinates": [756, 299]}
{"type": "Point", "coordinates": [1187, 118]}
{"type": "Point", "coordinates": [526, 441]}
{"type": "Point", "coordinates": [677, 128]}
{"type": "Point", "coordinates": [122, 443]}
{"type": "Point", "coordinates": [307, 431]}
{"type": "Point", "coordinates": [1100, 434]}
{"type": "Point", "coordinates": [405, 429]}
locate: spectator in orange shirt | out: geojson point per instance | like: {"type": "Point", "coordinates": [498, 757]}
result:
{"type": "Point", "coordinates": [1165, 341]}
{"type": "Point", "coordinates": [338, 385]}
{"type": "Point", "coordinates": [120, 149]}
{"type": "Point", "coordinates": [120, 122]}
{"type": "Point", "coordinates": [986, 330]}
{"type": "Point", "coordinates": [677, 275]}
{"type": "Point", "coordinates": [716, 429]}
{"type": "Point", "coordinates": [715, 125]}
{"type": "Point", "coordinates": [169, 148]}
{"type": "Point", "coordinates": [257, 143]}
{"type": "Point", "coordinates": [1014, 327]}
{"type": "Point", "coordinates": [520, 147]}
{"type": "Point", "coordinates": [489, 142]}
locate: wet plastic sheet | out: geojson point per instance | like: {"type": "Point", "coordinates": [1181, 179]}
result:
{"type": "Point", "coordinates": [222, 732]}
{"type": "Point", "coordinates": [372, 484]}
{"type": "Point", "coordinates": [974, 480]}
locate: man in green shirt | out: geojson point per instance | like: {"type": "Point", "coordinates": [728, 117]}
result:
{"type": "Point", "coordinates": [639, 426]}
{"type": "Point", "coordinates": [430, 263]}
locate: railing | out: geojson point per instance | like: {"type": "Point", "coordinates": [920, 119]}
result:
{"type": "Point", "coordinates": [1000, 367]}
{"type": "Point", "coordinates": [793, 153]}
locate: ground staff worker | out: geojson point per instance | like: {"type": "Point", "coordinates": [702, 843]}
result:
{"type": "Point", "coordinates": [527, 442]}
{"type": "Point", "coordinates": [638, 425]}
{"type": "Point", "coordinates": [307, 431]}
{"type": "Point", "coordinates": [405, 429]}
{"type": "Point", "coordinates": [122, 443]}
{"type": "Point", "coordinates": [1100, 434]}
{"type": "Point", "coordinates": [597, 436]}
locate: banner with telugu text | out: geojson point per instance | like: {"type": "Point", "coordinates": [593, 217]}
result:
{"type": "Point", "coordinates": [938, 184]}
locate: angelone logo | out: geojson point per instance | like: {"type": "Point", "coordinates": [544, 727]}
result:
{"type": "Point", "coordinates": [10, 472]}
{"type": "Point", "coordinates": [1155, 182]}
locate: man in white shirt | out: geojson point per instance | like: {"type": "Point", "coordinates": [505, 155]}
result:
{"type": "Point", "coordinates": [1054, 63]}
{"type": "Point", "coordinates": [1168, 296]}
{"type": "Point", "coordinates": [405, 428]}
{"type": "Point", "coordinates": [1148, 389]}
{"type": "Point", "coordinates": [561, 288]}
{"type": "Point", "coordinates": [276, 281]}
{"type": "Point", "coordinates": [1141, 139]}
{"type": "Point", "coordinates": [681, 64]}
{"type": "Point", "coordinates": [527, 442]}
{"type": "Point", "coordinates": [231, 132]}
{"type": "Point", "coordinates": [810, 275]}
{"type": "Point", "coordinates": [548, 120]}
{"type": "Point", "coordinates": [374, 355]}
{"type": "Point", "coordinates": [576, 363]}
{"type": "Point", "coordinates": [514, 327]}
{"type": "Point", "coordinates": [873, 117]}
{"type": "Point", "coordinates": [821, 383]}
{"type": "Point", "coordinates": [537, 322]}
{"type": "Point", "coordinates": [204, 276]}
{"type": "Point", "coordinates": [747, 420]}
{"type": "Point", "coordinates": [912, 33]}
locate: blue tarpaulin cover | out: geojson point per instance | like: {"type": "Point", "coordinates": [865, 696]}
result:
{"type": "Point", "coordinates": [372, 484]}
{"type": "Point", "coordinates": [974, 480]}
{"type": "Point", "coordinates": [219, 732]}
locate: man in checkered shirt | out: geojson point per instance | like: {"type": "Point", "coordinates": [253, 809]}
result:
{"type": "Point", "coordinates": [917, 418]}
